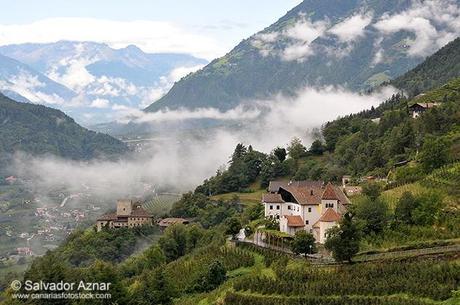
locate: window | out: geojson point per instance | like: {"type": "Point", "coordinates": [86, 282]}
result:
{"type": "Point", "coordinates": [329, 205]}
{"type": "Point", "coordinates": [277, 207]}
{"type": "Point", "coordinates": [271, 207]}
{"type": "Point", "coordinates": [277, 216]}
{"type": "Point", "coordinates": [309, 210]}
{"type": "Point", "coordinates": [289, 207]}
{"type": "Point", "coordinates": [325, 235]}
{"type": "Point", "coordinates": [307, 222]}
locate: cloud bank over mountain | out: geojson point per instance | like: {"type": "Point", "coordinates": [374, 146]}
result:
{"type": "Point", "coordinates": [90, 80]}
{"type": "Point", "coordinates": [432, 25]}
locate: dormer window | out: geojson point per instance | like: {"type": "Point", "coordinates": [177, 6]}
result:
{"type": "Point", "coordinates": [329, 205]}
{"type": "Point", "coordinates": [311, 192]}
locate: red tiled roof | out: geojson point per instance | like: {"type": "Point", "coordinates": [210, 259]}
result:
{"type": "Point", "coordinates": [294, 221]}
{"type": "Point", "coordinates": [272, 198]}
{"type": "Point", "coordinates": [341, 195]}
{"type": "Point", "coordinates": [329, 193]}
{"type": "Point", "coordinates": [305, 192]}
{"type": "Point", "coordinates": [305, 196]}
{"type": "Point", "coordinates": [107, 217]}
{"type": "Point", "coordinates": [330, 216]}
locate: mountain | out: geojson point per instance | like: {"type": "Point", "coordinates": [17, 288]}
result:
{"type": "Point", "coordinates": [21, 82]}
{"type": "Point", "coordinates": [38, 130]}
{"type": "Point", "coordinates": [433, 72]}
{"type": "Point", "coordinates": [356, 44]}
{"type": "Point", "coordinates": [103, 80]}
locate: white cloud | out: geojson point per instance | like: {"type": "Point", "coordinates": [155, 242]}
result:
{"type": "Point", "coordinates": [100, 103]}
{"type": "Point", "coordinates": [75, 76]}
{"type": "Point", "coordinates": [31, 88]}
{"type": "Point", "coordinates": [434, 24]}
{"type": "Point", "coordinates": [351, 28]}
{"type": "Point", "coordinates": [179, 72]}
{"type": "Point", "coordinates": [299, 37]}
{"type": "Point", "coordinates": [155, 92]}
{"type": "Point", "coordinates": [151, 36]}
{"type": "Point", "coordinates": [238, 113]}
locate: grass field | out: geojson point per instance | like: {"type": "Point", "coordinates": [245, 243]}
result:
{"type": "Point", "coordinates": [253, 197]}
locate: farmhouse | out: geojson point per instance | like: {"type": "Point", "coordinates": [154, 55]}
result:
{"type": "Point", "coordinates": [305, 205]}
{"type": "Point", "coordinates": [129, 214]}
{"type": "Point", "coordinates": [418, 108]}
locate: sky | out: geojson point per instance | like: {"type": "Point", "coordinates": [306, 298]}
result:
{"type": "Point", "coordinates": [206, 28]}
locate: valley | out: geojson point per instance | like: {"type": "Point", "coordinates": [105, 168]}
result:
{"type": "Point", "coordinates": [316, 162]}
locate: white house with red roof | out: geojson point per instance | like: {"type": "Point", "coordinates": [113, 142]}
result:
{"type": "Point", "coordinates": [305, 205]}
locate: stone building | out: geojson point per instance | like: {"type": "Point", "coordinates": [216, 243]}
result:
{"type": "Point", "coordinates": [129, 214]}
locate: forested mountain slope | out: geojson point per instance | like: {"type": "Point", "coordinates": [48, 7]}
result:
{"type": "Point", "coordinates": [37, 129]}
{"type": "Point", "coordinates": [436, 70]}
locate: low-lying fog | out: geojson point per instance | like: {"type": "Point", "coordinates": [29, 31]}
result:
{"type": "Point", "coordinates": [179, 162]}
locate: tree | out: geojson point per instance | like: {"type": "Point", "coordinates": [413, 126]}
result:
{"type": "Point", "coordinates": [280, 153]}
{"type": "Point", "coordinates": [427, 211]}
{"type": "Point", "coordinates": [372, 190]}
{"type": "Point", "coordinates": [405, 208]}
{"type": "Point", "coordinates": [373, 214]}
{"type": "Point", "coordinates": [156, 288]}
{"type": "Point", "coordinates": [154, 257]}
{"type": "Point", "coordinates": [233, 226]}
{"type": "Point", "coordinates": [434, 153]}
{"type": "Point", "coordinates": [303, 243]}
{"type": "Point", "coordinates": [344, 240]}
{"type": "Point", "coordinates": [174, 241]}
{"type": "Point", "coordinates": [272, 168]}
{"type": "Point", "coordinates": [317, 147]}
{"type": "Point", "coordinates": [239, 153]}
{"type": "Point", "coordinates": [194, 233]}
{"type": "Point", "coordinates": [295, 149]}
{"type": "Point", "coordinates": [214, 276]}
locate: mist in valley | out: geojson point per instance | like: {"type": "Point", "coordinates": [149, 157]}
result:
{"type": "Point", "coordinates": [178, 161]}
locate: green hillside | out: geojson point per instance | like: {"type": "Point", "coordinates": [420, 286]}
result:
{"type": "Point", "coordinates": [39, 130]}
{"type": "Point", "coordinates": [435, 71]}
{"type": "Point", "coordinates": [247, 72]}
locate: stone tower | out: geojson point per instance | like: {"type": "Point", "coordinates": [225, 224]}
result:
{"type": "Point", "coordinates": [124, 207]}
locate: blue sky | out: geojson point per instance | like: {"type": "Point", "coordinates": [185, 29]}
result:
{"type": "Point", "coordinates": [221, 23]}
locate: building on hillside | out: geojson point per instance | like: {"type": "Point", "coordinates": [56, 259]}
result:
{"type": "Point", "coordinates": [418, 108]}
{"type": "Point", "coordinates": [166, 222]}
{"type": "Point", "coordinates": [305, 205]}
{"type": "Point", "coordinates": [26, 251]}
{"type": "Point", "coordinates": [129, 214]}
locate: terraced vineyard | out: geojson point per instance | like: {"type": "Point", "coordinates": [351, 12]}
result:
{"type": "Point", "coordinates": [446, 178]}
{"type": "Point", "coordinates": [189, 269]}
{"type": "Point", "coordinates": [161, 204]}
{"type": "Point", "coordinates": [394, 282]}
